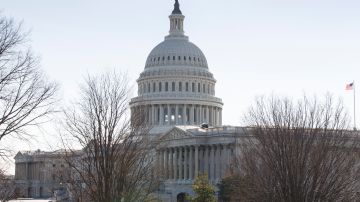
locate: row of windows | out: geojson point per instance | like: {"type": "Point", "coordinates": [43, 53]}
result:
{"type": "Point", "coordinates": [170, 72]}
{"type": "Point", "coordinates": [177, 86]}
{"type": "Point", "coordinates": [174, 58]}
{"type": "Point", "coordinates": [157, 60]}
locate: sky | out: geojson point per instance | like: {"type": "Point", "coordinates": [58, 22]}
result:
{"type": "Point", "coordinates": [253, 48]}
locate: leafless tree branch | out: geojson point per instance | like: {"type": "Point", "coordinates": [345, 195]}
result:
{"type": "Point", "coordinates": [26, 98]}
{"type": "Point", "coordinates": [116, 162]}
{"type": "Point", "coordinates": [300, 151]}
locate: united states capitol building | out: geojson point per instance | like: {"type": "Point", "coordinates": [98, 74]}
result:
{"type": "Point", "coordinates": [177, 91]}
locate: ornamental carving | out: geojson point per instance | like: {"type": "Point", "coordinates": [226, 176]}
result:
{"type": "Point", "coordinates": [175, 133]}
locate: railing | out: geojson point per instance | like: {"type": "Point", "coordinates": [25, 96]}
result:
{"type": "Point", "coordinates": [220, 130]}
{"type": "Point", "coordinates": [167, 95]}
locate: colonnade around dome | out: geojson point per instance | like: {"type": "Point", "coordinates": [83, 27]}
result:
{"type": "Point", "coordinates": [171, 86]}
{"type": "Point", "coordinates": [179, 114]}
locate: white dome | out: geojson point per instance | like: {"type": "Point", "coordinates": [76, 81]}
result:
{"type": "Point", "coordinates": [176, 87]}
{"type": "Point", "coordinates": [174, 52]}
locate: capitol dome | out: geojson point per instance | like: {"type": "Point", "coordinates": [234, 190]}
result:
{"type": "Point", "coordinates": [176, 86]}
{"type": "Point", "coordinates": [176, 51]}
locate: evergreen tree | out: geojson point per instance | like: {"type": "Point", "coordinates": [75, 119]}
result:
{"type": "Point", "coordinates": [203, 189]}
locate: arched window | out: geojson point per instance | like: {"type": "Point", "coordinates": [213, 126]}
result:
{"type": "Point", "coordinates": [180, 86]}
{"type": "Point", "coordinates": [185, 58]}
{"type": "Point", "coordinates": [158, 58]}
{"type": "Point", "coordinates": [168, 57]}
{"type": "Point", "coordinates": [193, 87]}
{"type": "Point", "coordinates": [166, 86]}
{"type": "Point", "coordinates": [189, 58]}
{"type": "Point", "coordinates": [154, 87]}
{"type": "Point", "coordinates": [179, 58]}
{"type": "Point", "coordinates": [163, 58]}
{"type": "Point", "coordinates": [148, 88]}
{"type": "Point", "coordinates": [174, 57]}
{"type": "Point", "coordinates": [199, 87]}
{"type": "Point", "coordinates": [203, 88]}
{"type": "Point", "coordinates": [160, 87]}
{"type": "Point", "coordinates": [173, 86]}
{"type": "Point", "coordinates": [186, 86]}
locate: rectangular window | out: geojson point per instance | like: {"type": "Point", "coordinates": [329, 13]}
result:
{"type": "Point", "coordinates": [193, 87]}
{"type": "Point", "coordinates": [203, 88]}
{"type": "Point", "coordinates": [154, 86]}
{"type": "Point", "coordinates": [180, 86]}
{"type": "Point", "coordinates": [148, 88]}
{"type": "Point", "coordinates": [173, 86]}
{"type": "Point", "coordinates": [187, 86]}
{"type": "Point", "coordinates": [199, 87]}
{"type": "Point", "coordinates": [166, 86]}
{"type": "Point", "coordinates": [160, 87]}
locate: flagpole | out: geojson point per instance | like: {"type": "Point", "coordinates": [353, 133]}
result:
{"type": "Point", "coordinates": [354, 107]}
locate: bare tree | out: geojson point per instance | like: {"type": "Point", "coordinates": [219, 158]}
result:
{"type": "Point", "coordinates": [299, 151]}
{"type": "Point", "coordinates": [8, 188]}
{"type": "Point", "coordinates": [116, 162]}
{"type": "Point", "coordinates": [25, 96]}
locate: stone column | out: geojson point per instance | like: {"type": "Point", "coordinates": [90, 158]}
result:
{"type": "Point", "coordinates": [212, 148]}
{"type": "Point", "coordinates": [158, 156]}
{"type": "Point", "coordinates": [163, 153]}
{"type": "Point", "coordinates": [184, 115]}
{"type": "Point", "coordinates": [149, 114]}
{"type": "Point", "coordinates": [228, 156]}
{"type": "Point", "coordinates": [218, 161]}
{"type": "Point", "coordinates": [153, 121]}
{"type": "Point", "coordinates": [206, 160]}
{"type": "Point", "coordinates": [180, 166]}
{"type": "Point", "coordinates": [168, 114]}
{"type": "Point", "coordinates": [216, 116]}
{"type": "Point", "coordinates": [191, 115]}
{"type": "Point", "coordinates": [196, 161]}
{"type": "Point", "coordinates": [223, 160]}
{"type": "Point", "coordinates": [220, 117]}
{"type": "Point", "coordinates": [213, 116]}
{"type": "Point", "coordinates": [27, 170]}
{"type": "Point", "coordinates": [176, 114]}
{"type": "Point", "coordinates": [191, 164]}
{"type": "Point", "coordinates": [186, 163]}
{"type": "Point", "coordinates": [199, 115]}
{"type": "Point", "coordinates": [176, 152]}
{"type": "Point", "coordinates": [167, 176]}
{"type": "Point", "coordinates": [161, 115]}
{"type": "Point", "coordinates": [196, 115]}
{"type": "Point", "coordinates": [171, 163]}
{"type": "Point", "coordinates": [207, 115]}
{"type": "Point", "coordinates": [201, 118]}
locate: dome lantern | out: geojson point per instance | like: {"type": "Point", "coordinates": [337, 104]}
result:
{"type": "Point", "coordinates": [176, 22]}
{"type": "Point", "coordinates": [176, 8]}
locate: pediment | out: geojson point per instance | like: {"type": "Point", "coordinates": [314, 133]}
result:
{"type": "Point", "coordinates": [175, 133]}
{"type": "Point", "coordinates": [18, 155]}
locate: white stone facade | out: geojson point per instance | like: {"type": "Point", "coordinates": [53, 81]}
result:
{"type": "Point", "coordinates": [184, 152]}
{"type": "Point", "coordinates": [176, 95]}
{"type": "Point", "coordinates": [39, 174]}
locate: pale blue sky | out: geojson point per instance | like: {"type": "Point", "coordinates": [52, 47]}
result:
{"type": "Point", "coordinates": [253, 47]}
